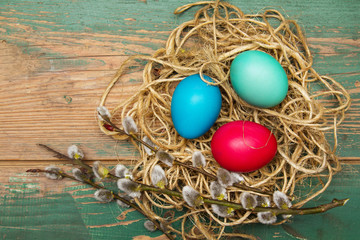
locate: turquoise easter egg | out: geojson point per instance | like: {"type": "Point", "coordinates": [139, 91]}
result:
{"type": "Point", "coordinates": [259, 79]}
{"type": "Point", "coordinates": [195, 106]}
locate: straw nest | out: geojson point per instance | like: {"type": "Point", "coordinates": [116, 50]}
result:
{"type": "Point", "coordinates": [207, 44]}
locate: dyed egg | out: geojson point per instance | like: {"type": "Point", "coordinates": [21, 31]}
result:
{"type": "Point", "coordinates": [195, 106]}
{"type": "Point", "coordinates": [243, 146]}
{"type": "Point", "coordinates": [258, 79]}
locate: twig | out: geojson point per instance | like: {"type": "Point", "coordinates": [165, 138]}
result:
{"type": "Point", "coordinates": [63, 156]}
{"type": "Point", "coordinates": [199, 170]}
{"type": "Point", "coordinates": [236, 206]}
{"type": "Point", "coordinates": [75, 161]}
{"type": "Point", "coordinates": [243, 187]}
{"type": "Point", "coordinates": [116, 196]}
{"type": "Point", "coordinates": [144, 187]}
{"type": "Point", "coordinates": [133, 136]}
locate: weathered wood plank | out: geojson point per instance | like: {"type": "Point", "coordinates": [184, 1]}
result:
{"type": "Point", "coordinates": [336, 224]}
{"type": "Point", "coordinates": [56, 57]}
{"type": "Point", "coordinates": [59, 56]}
{"type": "Point", "coordinates": [34, 207]}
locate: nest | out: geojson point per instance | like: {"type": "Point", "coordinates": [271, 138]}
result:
{"type": "Point", "coordinates": [207, 44]}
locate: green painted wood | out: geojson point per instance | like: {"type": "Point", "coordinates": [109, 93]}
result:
{"type": "Point", "coordinates": [52, 216]}
{"type": "Point", "coordinates": [71, 214]}
{"type": "Point", "coordinates": [58, 33]}
{"type": "Point", "coordinates": [340, 223]}
{"type": "Point", "coordinates": [49, 30]}
{"type": "Point", "coordinates": [24, 215]}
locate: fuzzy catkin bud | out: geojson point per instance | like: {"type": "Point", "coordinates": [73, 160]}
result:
{"type": "Point", "coordinates": [224, 177]}
{"type": "Point", "coordinates": [148, 150]}
{"type": "Point", "coordinates": [79, 175]}
{"type": "Point", "coordinates": [100, 170]}
{"type": "Point", "coordinates": [103, 195]}
{"type": "Point", "coordinates": [266, 217]}
{"type": "Point", "coordinates": [191, 196]}
{"type": "Point", "coordinates": [222, 211]}
{"type": "Point", "coordinates": [237, 178]}
{"type": "Point", "coordinates": [281, 200]}
{"type": "Point", "coordinates": [165, 157]}
{"type": "Point", "coordinates": [123, 172]}
{"type": "Point", "coordinates": [263, 201]}
{"type": "Point", "coordinates": [129, 187]}
{"type": "Point", "coordinates": [217, 191]}
{"type": "Point", "coordinates": [55, 175]}
{"type": "Point", "coordinates": [129, 125]}
{"type": "Point", "coordinates": [75, 153]}
{"type": "Point", "coordinates": [150, 226]}
{"type": "Point", "coordinates": [164, 226]}
{"type": "Point", "coordinates": [198, 159]}
{"type": "Point", "coordinates": [158, 177]}
{"type": "Point", "coordinates": [248, 201]}
{"type": "Point", "coordinates": [103, 112]}
{"type": "Point", "coordinates": [122, 204]}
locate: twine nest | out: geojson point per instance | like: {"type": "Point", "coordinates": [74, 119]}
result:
{"type": "Point", "coordinates": [207, 45]}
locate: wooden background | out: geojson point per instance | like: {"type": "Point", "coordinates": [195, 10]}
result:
{"type": "Point", "coordinates": [57, 57]}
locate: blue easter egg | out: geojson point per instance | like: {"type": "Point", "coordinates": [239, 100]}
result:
{"type": "Point", "coordinates": [195, 106]}
{"type": "Point", "coordinates": [259, 79]}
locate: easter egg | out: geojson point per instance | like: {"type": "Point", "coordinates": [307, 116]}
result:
{"type": "Point", "coordinates": [243, 146]}
{"type": "Point", "coordinates": [195, 106]}
{"type": "Point", "coordinates": [258, 79]}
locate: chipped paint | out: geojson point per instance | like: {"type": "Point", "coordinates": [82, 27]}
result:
{"type": "Point", "coordinates": [123, 214]}
{"type": "Point", "coordinates": [68, 99]}
{"type": "Point", "coordinates": [20, 179]}
{"type": "Point", "coordinates": [124, 223]}
{"type": "Point", "coordinates": [32, 217]}
{"type": "Point", "coordinates": [23, 188]}
{"type": "Point", "coordinates": [85, 42]}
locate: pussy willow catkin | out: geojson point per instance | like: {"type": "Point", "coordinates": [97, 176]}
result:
{"type": "Point", "coordinates": [207, 45]}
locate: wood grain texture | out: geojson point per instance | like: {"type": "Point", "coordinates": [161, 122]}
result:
{"type": "Point", "coordinates": [56, 58]}
{"type": "Point", "coordinates": [34, 207]}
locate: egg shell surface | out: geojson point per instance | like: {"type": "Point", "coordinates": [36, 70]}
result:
{"type": "Point", "coordinates": [259, 79]}
{"type": "Point", "coordinates": [243, 146]}
{"type": "Point", "coordinates": [195, 106]}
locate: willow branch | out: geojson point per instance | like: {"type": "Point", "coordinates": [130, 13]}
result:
{"type": "Point", "coordinates": [236, 206]}
{"type": "Point", "coordinates": [133, 136]}
{"type": "Point", "coordinates": [211, 176]}
{"type": "Point", "coordinates": [116, 196]}
{"type": "Point", "coordinates": [63, 156]}
{"type": "Point", "coordinates": [195, 169]}
{"type": "Point", "coordinates": [74, 161]}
